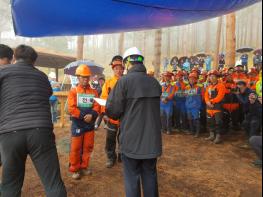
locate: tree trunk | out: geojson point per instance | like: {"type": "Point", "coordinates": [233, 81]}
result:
{"type": "Point", "coordinates": [169, 43]}
{"type": "Point", "coordinates": [218, 41]}
{"type": "Point", "coordinates": [121, 44]}
{"type": "Point", "coordinates": [208, 37]}
{"type": "Point", "coordinates": [157, 52]}
{"type": "Point", "coordinates": [194, 38]}
{"type": "Point", "coordinates": [231, 39]}
{"type": "Point", "coordinates": [80, 47]}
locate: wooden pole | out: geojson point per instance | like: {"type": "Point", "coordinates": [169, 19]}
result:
{"type": "Point", "coordinates": [208, 37]}
{"type": "Point", "coordinates": [218, 41]}
{"type": "Point", "coordinates": [169, 43]}
{"type": "Point", "coordinates": [157, 52]}
{"type": "Point", "coordinates": [231, 39]}
{"type": "Point", "coordinates": [80, 47]}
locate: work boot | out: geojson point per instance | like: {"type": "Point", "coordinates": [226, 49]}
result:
{"type": "Point", "coordinates": [218, 139]}
{"type": "Point", "coordinates": [211, 137]}
{"type": "Point", "coordinates": [258, 163]}
{"type": "Point", "coordinates": [245, 146]}
{"type": "Point", "coordinates": [197, 134]}
{"type": "Point", "coordinates": [110, 163]}
{"type": "Point", "coordinates": [197, 126]}
{"type": "Point", "coordinates": [76, 175]}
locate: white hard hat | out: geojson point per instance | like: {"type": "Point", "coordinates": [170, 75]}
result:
{"type": "Point", "coordinates": [134, 51]}
{"type": "Point", "coordinates": [238, 63]}
{"type": "Point", "coordinates": [52, 75]}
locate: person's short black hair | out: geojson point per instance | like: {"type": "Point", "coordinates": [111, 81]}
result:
{"type": "Point", "coordinates": [6, 52]}
{"type": "Point", "coordinates": [26, 53]}
{"type": "Point", "coordinates": [242, 83]}
{"type": "Point", "coordinates": [117, 57]}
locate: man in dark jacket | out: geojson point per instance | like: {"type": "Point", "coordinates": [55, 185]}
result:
{"type": "Point", "coordinates": [253, 117]}
{"type": "Point", "coordinates": [26, 126]}
{"type": "Point", "coordinates": [135, 100]}
{"type": "Point", "coordinates": [6, 56]}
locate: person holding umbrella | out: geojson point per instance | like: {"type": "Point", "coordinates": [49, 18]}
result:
{"type": "Point", "coordinates": [84, 112]}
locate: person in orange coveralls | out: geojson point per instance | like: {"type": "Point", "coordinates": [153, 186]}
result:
{"type": "Point", "coordinates": [83, 111]}
{"type": "Point", "coordinates": [253, 78]}
{"type": "Point", "coordinates": [112, 125]}
{"type": "Point", "coordinates": [239, 74]}
{"type": "Point", "coordinates": [214, 96]}
{"type": "Point", "coordinates": [231, 104]}
{"type": "Point", "coordinates": [167, 103]}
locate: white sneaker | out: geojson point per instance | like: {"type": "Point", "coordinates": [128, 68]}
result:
{"type": "Point", "coordinates": [76, 175]}
{"type": "Point", "coordinates": [86, 172]}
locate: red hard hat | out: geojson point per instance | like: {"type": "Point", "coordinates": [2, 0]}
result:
{"type": "Point", "coordinates": [167, 74]}
{"type": "Point", "coordinates": [214, 72]}
{"type": "Point", "coordinates": [204, 72]}
{"type": "Point", "coordinates": [193, 75]}
{"type": "Point", "coordinates": [180, 73]}
{"type": "Point", "coordinates": [195, 70]}
{"type": "Point", "coordinates": [253, 71]}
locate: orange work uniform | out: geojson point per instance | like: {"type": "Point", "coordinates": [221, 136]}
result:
{"type": "Point", "coordinates": [108, 86]}
{"type": "Point", "coordinates": [215, 94]}
{"type": "Point", "coordinates": [81, 103]}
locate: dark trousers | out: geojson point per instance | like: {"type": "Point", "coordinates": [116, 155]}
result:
{"type": "Point", "coordinates": [194, 126]}
{"type": "Point", "coordinates": [99, 120]}
{"type": "Point", "coordinates": [111, 141]}
{"type": "Point", "coordinates": [256, 143]}
{"type": "Point", "coordinates": [203, 119]}
{"type": "Point", "coordinates": [215, 122]}
{"type": "Point", "coordinates": [40, 145]}
{"type": "Point", "coordinates": [252, 126]}
{"type": "Point", "coordinates": [137, 172]}
{"type": "Point", "coordinates": [231, 117]}
{"type": "Point", "coordinates": [167, 121]}
{"type": "Point", "coordinates": [181, 118]}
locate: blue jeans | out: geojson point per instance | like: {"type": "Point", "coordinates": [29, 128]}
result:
{"type": "Point", "coordinates": [137, 171]}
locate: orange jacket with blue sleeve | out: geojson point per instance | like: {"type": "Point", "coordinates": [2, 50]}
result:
{"type": "Point", "coordinates": [73, 108]}
{"type": "Point", "coordinates": [168, 92]}
{"type": "Point", "coordinates": [81, 103]}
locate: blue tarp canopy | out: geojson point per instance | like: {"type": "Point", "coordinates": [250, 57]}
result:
{"type": "Point", "coordinates": [36, 18]}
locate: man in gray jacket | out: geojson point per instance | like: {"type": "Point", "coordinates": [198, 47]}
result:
{"type": "Point", "coordinates": [135, 100]}
{"type": "Point", "coordinates": [26, 127]}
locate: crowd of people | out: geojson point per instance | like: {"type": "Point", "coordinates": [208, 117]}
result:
{"type": "Point", "coordinates": [139, 109]}
{"type": "Point", "coordinates": [223, 96]}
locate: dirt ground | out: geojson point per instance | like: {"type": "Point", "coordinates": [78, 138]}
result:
{"type": "Point", "coordinates": [188, 167]}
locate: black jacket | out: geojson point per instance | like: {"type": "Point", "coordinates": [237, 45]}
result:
{"type": "Point", "coordinates": [135, 100]}
{"type": "Point", "coordinates": [254, 111]}
{"type": "Point", "coordinates": [24, 98]}
{"type": "Point", "coordinates": [243, 98]}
